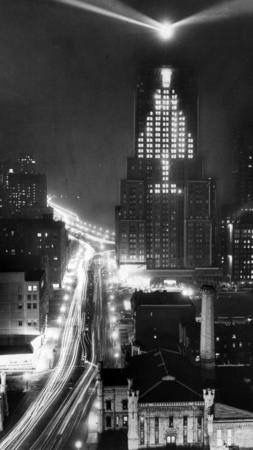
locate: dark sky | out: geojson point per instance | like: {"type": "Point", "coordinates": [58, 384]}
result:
{"type": "Point", "coordinates": [67, 84]}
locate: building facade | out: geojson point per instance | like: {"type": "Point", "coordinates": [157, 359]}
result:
{"type": "Point", "coordinates": [242, 245]}
{"type": "Point", "coordinates": [23, 303]}
{"type": "Point", "coordinates": [165, 217]}
{"type": "Point", "coordinates": [243, 156]}
{"type": "Point", "coordinates": [23, 190]}
{"type": "Point", "coordinates": [42, 237]}
{"type": "Point", "coordinates": [168, 413]}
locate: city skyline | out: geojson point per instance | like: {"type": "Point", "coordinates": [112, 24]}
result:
{"type": "Point", "coordinates": [132, 330]}
{"type": "Point", "coordinates": [48, 98]}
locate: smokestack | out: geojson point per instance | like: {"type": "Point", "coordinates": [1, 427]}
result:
{"type": "Point", "coordinates": [207, 346]}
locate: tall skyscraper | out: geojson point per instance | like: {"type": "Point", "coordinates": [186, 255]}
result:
{"type": "Point", "coordinates": [244, 166]}
{"type": "Point", "coordinates": [165, 216]}
{"type": "Point", "coordinates": [23, 191]}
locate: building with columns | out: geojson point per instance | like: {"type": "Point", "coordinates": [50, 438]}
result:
{"type": "Point", "coordinates": [166, 411]}
{"type": "Point", "coordinates": [163, 400]}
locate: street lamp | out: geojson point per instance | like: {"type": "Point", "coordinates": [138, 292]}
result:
{"type": "Point", "coordinates": [78, 444]}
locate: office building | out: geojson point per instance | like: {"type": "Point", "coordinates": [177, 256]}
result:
{"type": "Point", "coordinates": [243, 172]}
{"type": "Point", "coordinates": [165, 217]}
{"type": "Point", "coordinates": [42, 237]}
{"type": "Point", "coordinates": [242, 247]}
{"type": "Point", "coordinates": [160, 319]}
{"type": "Point", "coordinates": [23, 190]}
{"type": "Point", "coordinates": [23, 302]}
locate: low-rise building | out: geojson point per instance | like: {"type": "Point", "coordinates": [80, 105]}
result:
{"type": "Point", "coordinates": [160, 401]}
{"type": "Point", "coordinates": [160, 318]}
{"type": "Point", "coordinates": [23, 302]}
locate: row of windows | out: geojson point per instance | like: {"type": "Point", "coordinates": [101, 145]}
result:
{"type": "Point", "coordinates": [108, 405]}
{"type": "Point", "coordinates": [29, 306]}
{"type": "Point", "coordinates": [29, 323]}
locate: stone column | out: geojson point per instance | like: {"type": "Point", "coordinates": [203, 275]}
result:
{"type": "Point", "coordinates": [208, 396]}
{"type": "Point", "coordinates": [207, 345]}
{"type": "Point", "coordinates": [133, 435]}
{"type": "Point", "coordinates": [3, 390]}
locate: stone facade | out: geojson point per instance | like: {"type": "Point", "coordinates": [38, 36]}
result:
{"type": "Point", "coordinates": [115, 407]}
{"type": "Point", "coordinates": [168, 412]}
{"type": "Point", "coordinates": [170, 423]}
{"type": "Point", "coordinates": [232, 434]}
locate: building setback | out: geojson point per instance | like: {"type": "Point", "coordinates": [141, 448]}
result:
{"type": "Point", "coordinates": [165, 217]}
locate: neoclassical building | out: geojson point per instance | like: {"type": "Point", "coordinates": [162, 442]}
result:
{"type": "Point", "coordinates": [159, 400]}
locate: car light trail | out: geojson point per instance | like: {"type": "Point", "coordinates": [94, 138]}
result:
{"type": "Point", "coordinates": [62, 372]}
{"type": "Point", "coordinates": [66, 412]}
{"type": "Point", "coordinates": [78, 228]}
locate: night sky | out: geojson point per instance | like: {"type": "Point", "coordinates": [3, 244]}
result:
{"type": "Point", "coordinates": [67, 85]}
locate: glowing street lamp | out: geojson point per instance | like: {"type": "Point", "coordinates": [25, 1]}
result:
{"type": "Point", "coordinates": [166, 31]}
{"type": "Point", "coordinates": [115, 334]}
{"type": "Point", "coordinates": [59, 320]}
{"type": "Point", "coordinates": [78, 444]}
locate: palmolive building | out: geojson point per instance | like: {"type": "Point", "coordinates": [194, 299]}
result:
{"type": "Point", "coordinates": [165, 217]}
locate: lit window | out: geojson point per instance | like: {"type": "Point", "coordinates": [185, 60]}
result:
{"type": "Point", "coordinates": [219, 439]}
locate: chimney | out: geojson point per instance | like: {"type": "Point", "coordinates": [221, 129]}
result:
{"type": "Point", "coordinates": [207, 346]}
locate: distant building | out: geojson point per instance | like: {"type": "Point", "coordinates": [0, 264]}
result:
{"type": "Point", "coordinates": [23, 302]}
{"type": "Point", "coordinates": [235, 244]}
{"type": "Point", "coordinates": [198, 224]}
{"type": "Point", "coordinates": [233, 325]}
{"type": "Point", "coordinates": [26, 191]}
{"type": "Point", "coordinates": [165, 217]}
{"type": "Point", "coordinates": [243, 156]}
{"type": "Point", "coordinates": [160, 319]}
{"type": "Point", "coordinates": [242, 246]}
{"type": "Point", "coordinates": [42, 237]}
{"type": "Point", "coordinates": [26, 164]}
{"type": "Point", "coordinates": [23, 190]}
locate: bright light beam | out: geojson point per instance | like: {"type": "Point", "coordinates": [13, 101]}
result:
{"type": "Point", "coordinates": [166, 31]}
{"type": "Point", "coordinates": [140, 20]}
{"type": "Point", "coordinates": [223, 11]}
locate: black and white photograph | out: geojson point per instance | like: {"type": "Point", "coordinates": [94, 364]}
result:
{"type": "Point", "coordinates": [126, 224]}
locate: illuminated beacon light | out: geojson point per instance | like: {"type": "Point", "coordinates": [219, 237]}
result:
{"type": "Point", "coordinates": [166, 31]}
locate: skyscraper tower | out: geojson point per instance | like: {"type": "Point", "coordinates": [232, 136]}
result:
{"type": "Point", "coordinates": [153, 223]}
{"type": "Point", "coordinates": [244, 166]}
